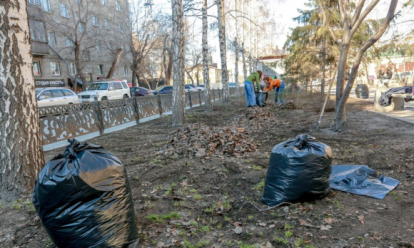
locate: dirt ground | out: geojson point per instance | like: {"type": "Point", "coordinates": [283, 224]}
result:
{"type": "Point", "coordinates": [190, 201]}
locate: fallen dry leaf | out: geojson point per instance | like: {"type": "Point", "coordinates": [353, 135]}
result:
{"type": "Point", "coordinates": [328, 220]}
{"type": "Point", "coordinates": [361, 219]}
{"type": "Point", "coordinates": [237, 230]}
{"type": "Point", "coordinates": [325, 228]}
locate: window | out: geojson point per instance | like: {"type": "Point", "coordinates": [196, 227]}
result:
{"type": "Point", "coordinates": [117, 86]}
{"type": "Point", "coordinates": [86, 55]}
{"type": "Point", "coordinates": [89, 77]}
{"type": "Point", "coordinates": [58, 93]}
{"type": "Point", "coordinates": [69, 42]}
{"type": "Point", "coordinates": [118, 6]}
{"type": "Point", "coordinates": [100, 69]}
{"type": "Point", "coordinates": [51, 37]}
{"type": "Point", "coordinates": [34, 2]}
{"type": "Point", "coordinates": [98, 45]}
{"type": "Point", "coordinates": [104, 2]}
{"type": "Point", "coordinates": [36, 69]}
{"type": "Point", "coordinates": [125, 70]}
{"type": "Point", "coordinates": [46, 95]}
{"type": "Point", "coordinates": [106, 24]}
{"type": "Point", "coordinates": [37, 31]}
{"type": "Point", "coordinates": [68, 93]}
{"type": "Point", "coordinates": [94, 20]}
{"type": "Point", "coordinates": [46, 5]}
{"type": "Point", "coordinates": [81, 27]}
{"type": "Point", "coordinates": [55, 68]}
{"type": "Point", "coordinates": [124, 85]}
{"type": "Point", "coordinates": [121, 30]}
{"type": "Point", "coordinates": [64, 11]}
{"type": "Point", "coordinates": [72, 68]}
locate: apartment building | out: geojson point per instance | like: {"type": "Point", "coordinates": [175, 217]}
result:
{"type": "Point", "coordinates": [73, 36]}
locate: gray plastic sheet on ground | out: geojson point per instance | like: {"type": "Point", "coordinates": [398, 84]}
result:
{"type": "Point", "coordinates": [361, 180]}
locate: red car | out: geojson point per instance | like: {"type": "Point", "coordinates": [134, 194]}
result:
{"type": "Point", "coordinates": [140, 91]}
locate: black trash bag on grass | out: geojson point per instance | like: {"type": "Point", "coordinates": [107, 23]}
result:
{"type": "Point", "coordinates": [83, 199]}
{"type": "Point", "coordinates": [299, 170]}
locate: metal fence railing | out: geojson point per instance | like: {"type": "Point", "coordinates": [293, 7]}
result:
{"type": "Point", "coordinates": [59, 123]}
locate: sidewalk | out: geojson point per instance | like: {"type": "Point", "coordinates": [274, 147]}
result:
{"type": "Point", "coordinates": [406, 115]}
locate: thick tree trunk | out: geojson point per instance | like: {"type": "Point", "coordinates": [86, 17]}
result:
{"type": "Point", "coordinates": [178, 104]}
{"type": "Point", "coordinates": [115, 63]}
{"type": "Point", "coordinates": [21, 148]}
{"type": "Point", "coordinates": [223, 56]}
{"type": "Point", "coordinates": [134, 79]}
{"type": "Point", "coordinates": [208, 107]}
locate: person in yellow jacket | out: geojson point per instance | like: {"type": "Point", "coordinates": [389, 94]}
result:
{"type": "Point", "coordinates": [278, 84]}
{"type": "Point", "coordinates": [250, 83]}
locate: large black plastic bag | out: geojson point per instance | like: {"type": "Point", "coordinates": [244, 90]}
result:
{"type": "Point", "coordinates": [361, 180]}
{"type": "Point", "coordinates": [83, 199]}
{"type": "Point", "coordinates": [260, 99]}
{"type": "Point", "coordinates": [299, 171]}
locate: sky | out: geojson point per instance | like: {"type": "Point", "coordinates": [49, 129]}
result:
{"type": "Point", "coordinates": [286, 10]}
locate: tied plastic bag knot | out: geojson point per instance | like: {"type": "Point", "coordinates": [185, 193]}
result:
{"type": "Point", "coordinates": [301, 141]}
{"type": "Point", "coordinates": [71, 149]}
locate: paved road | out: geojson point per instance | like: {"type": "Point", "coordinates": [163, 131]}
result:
{"type": "Point", "coordinates": [406, 115]}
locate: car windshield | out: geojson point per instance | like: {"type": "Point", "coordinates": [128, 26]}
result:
{"type": "Point", "coordinates": [98, 86]}
{"type": "Point", "coordinates": [37, 92]}
{"type": "Point", "coordinates": [159, 88]}
{"type": "Point", "coordinates": [232, 84]}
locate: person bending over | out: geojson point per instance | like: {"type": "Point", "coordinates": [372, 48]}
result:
{"type": "Point", "coordinates": [279, 85]}
{"type": "Point", "coordinates": [252, 82]}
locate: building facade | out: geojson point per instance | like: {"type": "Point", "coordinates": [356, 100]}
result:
{"type": "Point", "coordinates": [71, 38]}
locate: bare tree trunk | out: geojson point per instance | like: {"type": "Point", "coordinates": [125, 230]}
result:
{"type": "Point", "coordinates": [340, 114]}
{"type": "Point", "coordinates": [79, 67]}
{"type": "Point", "coordinates": [242, 49]}
{"type": "Point", "coordinates": [208, 107]}
{"type": "Point", "coordinates": [134, 79]}
{"type": "Point", "coordinates": [223, 56]}
{"type": "Point", "coordinates": [189, 75]}
{"type": "Point", "coordinates": [115, 63]}
{"type": "Point", "coordinates": [21, 148]}
{"type": "Point", "coordinates": [178, 104]}
{"type": "Point", "coordinates": [323, 69]}
{"type": "Point", "coordinates": [236, 51]}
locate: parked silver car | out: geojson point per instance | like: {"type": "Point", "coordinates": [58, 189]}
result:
{"type": "Point", "coordinates": [55, 96]}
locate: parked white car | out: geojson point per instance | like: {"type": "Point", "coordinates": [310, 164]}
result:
{"type": "Point", "coordinates": [190, 88]}
{"type": "Point", "coordinates": [55, 96]}
{"type": "Point", "coordinates": [107, 90]}
{"type": "Point", "coordinates": [200, 87]}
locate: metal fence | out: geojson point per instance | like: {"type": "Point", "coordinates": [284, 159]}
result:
{"type": "Point", "coordinates": [59, 123]}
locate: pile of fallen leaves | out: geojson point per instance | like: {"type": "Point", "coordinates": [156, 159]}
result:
{"type": "Point", "coordinates": [198, 140]}
{"type": "Point", "coordinates": [256, 119]}
{"type": "Point", "coordinates": [288, 105]}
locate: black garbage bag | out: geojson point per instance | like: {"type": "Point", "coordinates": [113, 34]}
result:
{"type": "Point", "coordinates": [83, 199]}
{"type": "Point", "coordinates": [260, 99]}
{"type": "Point", "coordinates": [361, 180]}
{"type": "Point", "coordinates": [299, 170]}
